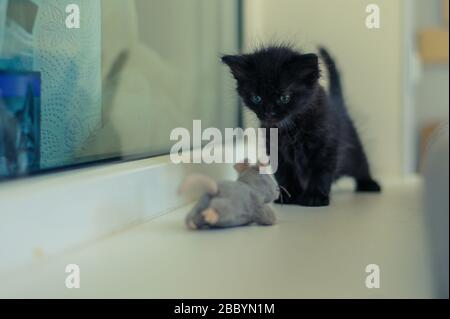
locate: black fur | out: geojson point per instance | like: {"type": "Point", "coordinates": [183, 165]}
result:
{"type": "Point", "coordinates": [317, 140]}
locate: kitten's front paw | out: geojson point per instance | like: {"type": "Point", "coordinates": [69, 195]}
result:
{"type": "Point", "coordinates": [314, 200]}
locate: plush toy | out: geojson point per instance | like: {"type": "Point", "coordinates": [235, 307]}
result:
{"type": "Point", "coordinates": [233, 203]}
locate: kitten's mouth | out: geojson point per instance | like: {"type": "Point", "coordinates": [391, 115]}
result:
{"type": "Point", "coordinates": [275, 123]}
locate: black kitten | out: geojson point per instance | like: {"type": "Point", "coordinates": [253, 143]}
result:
{"type": "Point", "coordinates": [317, 140]}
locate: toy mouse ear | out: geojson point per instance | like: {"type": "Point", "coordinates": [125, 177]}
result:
{"type": "Point", "coordinates": [240, 167]}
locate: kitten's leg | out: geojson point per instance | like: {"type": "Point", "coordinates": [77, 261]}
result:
{"type": "Point", "coordinates": [361, 173]}
{"type": "Point", "coordinates": [317, 185]}
{"type": "Point", "coordinates": [318, 191]}
{"type": "Point", "coordinates": [289, 185]}
{"type": "Point", "coordinates": [357, 165]}
{"type": "Point", "coordinates": [364, 180]}
{"type": "Point", "coordinates": [367, 185]}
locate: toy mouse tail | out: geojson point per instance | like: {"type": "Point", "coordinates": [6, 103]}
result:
{"type": "Point", "coordinates": [197, 180]}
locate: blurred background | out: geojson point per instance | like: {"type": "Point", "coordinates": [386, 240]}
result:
{"type": "Point", "coordinates": [116, 87]}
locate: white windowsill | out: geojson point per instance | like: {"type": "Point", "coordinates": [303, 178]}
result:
{"type": "Point", "coordinates": [46, 215]}
{"type": "Point", "coordinates": [85, 217]}
{"type": "Point", "coordinates": [310, 253]}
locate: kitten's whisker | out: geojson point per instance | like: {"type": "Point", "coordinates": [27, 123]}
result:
{"type": "Point", "coordinates": [285, 190]}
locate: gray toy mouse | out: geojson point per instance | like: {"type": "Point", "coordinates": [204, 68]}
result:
{"type": "Point", "coordinates": [233, 203]}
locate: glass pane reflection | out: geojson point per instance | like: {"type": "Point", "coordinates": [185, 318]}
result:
{"type": "Point", "coordinates": [116, 86]}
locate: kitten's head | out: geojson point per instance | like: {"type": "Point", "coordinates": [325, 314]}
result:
{"type": "Point", "coordinates": [275, 82]}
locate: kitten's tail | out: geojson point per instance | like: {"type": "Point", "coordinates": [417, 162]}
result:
{"type": "Point", "coordinates": [335, 87]}
{"type": "Point", "coordinates": [195, 181]}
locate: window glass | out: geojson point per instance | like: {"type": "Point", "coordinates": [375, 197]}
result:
{"type": "Point", "coordinates": [85, 80]}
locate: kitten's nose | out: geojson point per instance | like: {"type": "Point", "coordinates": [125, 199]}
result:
{"type": "Point", "coordinates": [270, 114]}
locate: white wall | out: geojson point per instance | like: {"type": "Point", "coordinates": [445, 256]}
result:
{"type": "Point", "coordinates": [370, 61]}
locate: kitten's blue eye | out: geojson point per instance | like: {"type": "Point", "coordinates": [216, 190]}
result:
{"type": "Point", "coordinates": [256, 99]}
{"type": "Point", "coordinates": [285, 99]}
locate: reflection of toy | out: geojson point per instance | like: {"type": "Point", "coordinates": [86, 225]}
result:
{"type": "Point", "coordinates": [233, 203]}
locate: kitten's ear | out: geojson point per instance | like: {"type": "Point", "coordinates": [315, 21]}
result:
{"type": "Point", "coordinates": [305, 67]}
{"type": "Point", "coordinates": [237, 64]}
